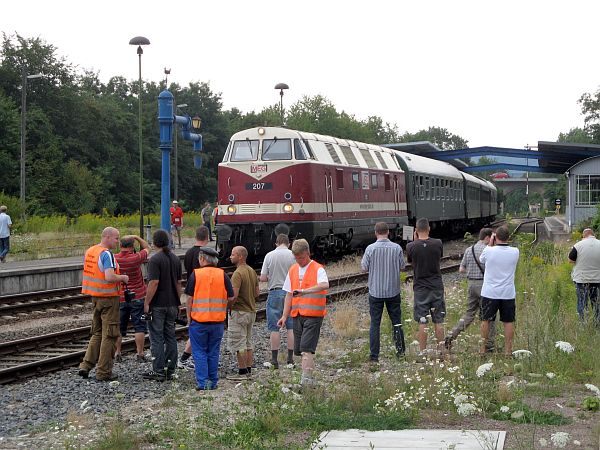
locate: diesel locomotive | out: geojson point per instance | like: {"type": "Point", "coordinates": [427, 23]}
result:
{"type": "Point", "coordinates": [332, 191]}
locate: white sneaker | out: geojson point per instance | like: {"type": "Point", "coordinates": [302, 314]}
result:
{"type": "Point", "coordinates": [188, 364]}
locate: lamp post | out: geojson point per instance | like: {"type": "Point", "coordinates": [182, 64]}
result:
{"type": "Point", "coordinates": [24, 78]}
{"type": "Point", "coordinates": [175, 165]}
{"type": "Point", "coordinates": [281, 87]}
{"type": "Point", "coordinates": [139, 41]}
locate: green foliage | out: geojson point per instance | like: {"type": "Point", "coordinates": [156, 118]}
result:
{"type": "Point", "coordinates": [521, 413]}
{"type": "Point", "coordinates": [591, 404]}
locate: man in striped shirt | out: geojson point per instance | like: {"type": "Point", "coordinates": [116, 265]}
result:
{"type": "Point", "coordinates": [384, 260]}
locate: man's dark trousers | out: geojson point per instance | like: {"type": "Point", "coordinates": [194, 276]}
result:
{"type": "Point", "coordinates": [392, 305]}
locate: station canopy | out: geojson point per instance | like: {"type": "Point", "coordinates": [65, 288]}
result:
{"type": "Point", "coordinates": [548, 157]}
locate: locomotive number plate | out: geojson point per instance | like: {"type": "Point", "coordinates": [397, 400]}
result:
{"type": "Point", "coordinates": [258, 186]}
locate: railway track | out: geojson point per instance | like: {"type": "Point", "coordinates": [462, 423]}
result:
{"type": "Point", "coordinates": [34, 356]}
{"type": "Point", "coordinates": [20, 305]}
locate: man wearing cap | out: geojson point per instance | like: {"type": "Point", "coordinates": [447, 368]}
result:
{"type": "Point", "coordinates": [176, 220]}
{"type": "Point", "coordinates": [209, 290]}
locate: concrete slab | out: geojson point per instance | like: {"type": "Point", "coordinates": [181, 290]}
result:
{"type": "Point", "coordinates": [411, 439]}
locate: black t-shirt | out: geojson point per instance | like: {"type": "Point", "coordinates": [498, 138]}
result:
{"type": "Point", "coordinates": [190, 260]}
{"type": "Point", "coordinates": [425, 258]}
{"type": "Point", "coordinates": [166, 268]}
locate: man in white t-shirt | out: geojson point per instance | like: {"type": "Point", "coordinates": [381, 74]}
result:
{"type": "Point", "coordinates": [498, 291]}
{"type": "Point", "coordinates": [274, 270]}
{"type": "Point", "coordinates": [5, 225]}
{"type": "Point", "coordinates": [306, 287]}
{"type": "Point", "coordinates": [585, 255]}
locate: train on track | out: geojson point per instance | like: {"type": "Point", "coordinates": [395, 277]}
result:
{"type": "Point", "coordinates": [332, 191]}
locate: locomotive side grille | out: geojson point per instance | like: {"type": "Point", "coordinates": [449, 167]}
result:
{"type": "Point", "coordinates": [268, 208]}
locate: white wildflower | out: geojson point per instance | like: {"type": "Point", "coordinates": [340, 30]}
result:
{"type": "Point", "coordinates": [466, 409]}
{"type": "Point", "coordinates": [504, 409]}
{"type": "Point", "coordinates": [267, 364]}
{"type": "Point", "coordinates": [560, 439]}
{"type": "Point", "coordinates": [460, 399]}
{"type": "Point", "coordinates": [285, 406]}
{"type": "Point", "coordinates": [482, 369]}
{"type": "Point", "coordinates": [285, 389]}
{"type": "Point", "coordinates": [576, 442]}
{"type": "Point", "coordinates": [564, 346]}
{"type": "Point", "coordinates": [521, 354]}
{"type": "Point", "coordinates": [423, 320]}
{"type": "Point", "coordinates": [543, 442]}
{"type": "Point", "coordinates": [594, 389]}
{"type": "Point", "coordinates": [290, 366]}
{"type": "Point", "coordinates": [114, 384]}
{"type": "Point", "coordinates": [550, 375]}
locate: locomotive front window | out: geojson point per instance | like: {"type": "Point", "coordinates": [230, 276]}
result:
{"type": "Point", "coordinates": [298, 151]}
{"type": "Point", "coordinates": [276, 149]}
{"type": "Point", "coordinates": [244, 151]}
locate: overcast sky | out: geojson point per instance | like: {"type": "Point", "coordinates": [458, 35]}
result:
{"type": "Point", "coordinates": [496, 73]}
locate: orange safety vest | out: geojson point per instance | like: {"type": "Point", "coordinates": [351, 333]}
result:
{"type": "Point", "coordinates": [94, 281]}
{"type": "Point", "coordinates": [312, 304]}
{"type": "Point", "coordinates": [209, 303]}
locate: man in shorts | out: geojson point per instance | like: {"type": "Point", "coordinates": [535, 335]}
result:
{"type": "Point", "coordinates": [274, 270]}
{"type": "Point", "coordinates": [425, 254]}
{"type": "Point", "coordinates": [243, 313]}
{"type": "Point", "coordinates": [498, 292]}
{"type": "Point", "coordinates": [130, 263]}
{"type": "Point", "coordinates": [306, 287]}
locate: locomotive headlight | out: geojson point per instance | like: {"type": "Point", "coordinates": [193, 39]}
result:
{"type": "Point", "coordinates": [231, 209]}
{"type": "Point", "coordinates": [261, 131]}
{"type": "Point", "coordinates": [288, 208]}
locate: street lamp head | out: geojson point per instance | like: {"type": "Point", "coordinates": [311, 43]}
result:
{"type": "Point", "coordinates": [281, 86]}
{"type": "Point", "coordinates": [196, 122]}
{"type": "Point", "coordinates": [37, 75]}
{"type": "Point", "coordinates": [183, 105]}
{"type": "Point", "coordinates": [139, 41]}
{"type": "Point", "coordinates": [167, 71]}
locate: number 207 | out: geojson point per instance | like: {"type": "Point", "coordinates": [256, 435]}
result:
{"type": "Point", "coordinates": [258, 186]}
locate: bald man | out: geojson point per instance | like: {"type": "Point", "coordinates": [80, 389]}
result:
{"type": "Point", "coordinates": [585, 255]}
{"type": "Point", "coordinates": [243, 313]}
{"type": "Point", "coordinates": [103, 283]}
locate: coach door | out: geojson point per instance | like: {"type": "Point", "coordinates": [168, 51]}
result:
{"type": "Point", "coordinates": [328, 194]}
{"type": "Point", "coordinates": [396, 190]}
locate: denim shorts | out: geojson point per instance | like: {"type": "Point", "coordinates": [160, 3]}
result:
{"type": "Point", "coordinates": [133, 309]}
{"type": "Point", "coordinates": [275, 302]}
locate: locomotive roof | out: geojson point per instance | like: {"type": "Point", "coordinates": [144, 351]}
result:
{"type": "Point", "coordinates": [416, 163]}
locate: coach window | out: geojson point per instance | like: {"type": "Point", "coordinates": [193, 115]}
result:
{"type": "Point", "coordinates": [298, 150]}
{"type": "Point", "coordinates": [244, 151]}
{"type": "Point", "coordinates": [276, 149]}
{"type": "Point", "coordinates": [386, 182]}
{"type": "Point", "coordinates": [339, 178]}
{"type": "Point", "coordinates": [427, 189]}
{"type": "Point", "coordinates": [355, 180]}
{"type": "Point", "coordinates": [436, 192]}
{"type": "Point", "coordinates": [421, 188]}
{"type": "Point", "coordinates": [373, 181]}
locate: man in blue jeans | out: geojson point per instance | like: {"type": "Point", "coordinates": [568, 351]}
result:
{"type": "Point", "coordinates": [162, 302]}
{"type": "Point", "coordinates": [384, 260]}
{"type": "Point", "coordinates": [275, 268]}
{"type": "Point", "coordinates": [209, 290]}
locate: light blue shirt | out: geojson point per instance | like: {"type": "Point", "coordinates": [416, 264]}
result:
{"type": "Point", "coordinates": [383, 260]}
{"type": "Point", "coordinates": [4, 225]}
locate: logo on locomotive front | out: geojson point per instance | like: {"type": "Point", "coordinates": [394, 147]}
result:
{"type": "Point", "coordinates": [258, 168]}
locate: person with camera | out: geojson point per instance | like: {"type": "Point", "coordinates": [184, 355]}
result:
{"type": "Point", "coordinates": [102, 281]}
{"type": "Point", "coordinates": [161, 307]}
{"type": "Point", "coordinates": [209, 291]}
{"type": "Point", "coordinates": [306, 287]}
{"type": "Point", "coordinates": [132, 299]}
{"type": "Point", "coordinates": [425, 254]}
{"type": "Point", "coordinates": [498, 291]}
{"type": "Point", "coordinates": [474, 269]}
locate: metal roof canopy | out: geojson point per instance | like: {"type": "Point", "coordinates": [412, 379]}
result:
{"type": "Point", "coordinates": [552, 157]}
